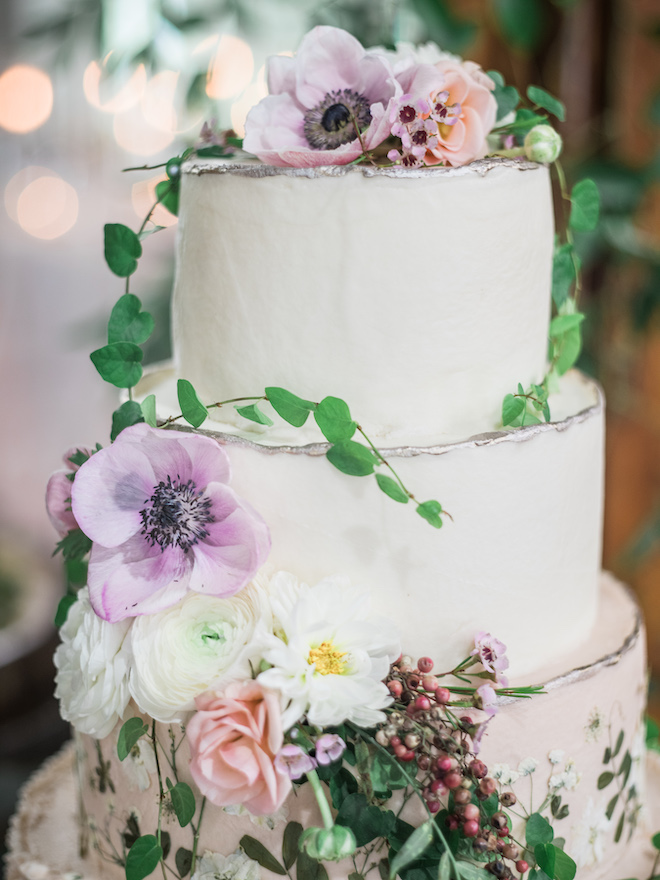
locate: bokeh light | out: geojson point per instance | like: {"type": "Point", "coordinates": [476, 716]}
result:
{"type": "Point", "coordinates": [134, 134]}
{"type": "Point", "coordinates": [231, 68]}
{"type": "Point", "coordinates": [143, 196]}
{"type": "Point", "coordinates": [47, 207]}
{"type": "Point", "coordinates": [126, 96]}
{"type": "Point", "coordinates": [26, 98]}
{"type": "Point", "coordinates": [240, 109]}
{"type": "Point", "coordinates": [157, 102]}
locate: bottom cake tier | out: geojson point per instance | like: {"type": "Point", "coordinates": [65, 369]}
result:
{"type": "Point", "coordinates": [576, 753]}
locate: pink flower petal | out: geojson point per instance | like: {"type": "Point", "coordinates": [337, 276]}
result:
{"type": "Point", "coordinates": [281, 74]}
{"type": "Point", "coordinates": [58, 503]}
{"type": "Point", "coordinates": [124, 581]}
{"type": "Point", "coordinates": [328, 59]}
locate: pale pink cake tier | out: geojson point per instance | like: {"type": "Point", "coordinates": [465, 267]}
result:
{"type": "Point", "coordinates": [597, 697]}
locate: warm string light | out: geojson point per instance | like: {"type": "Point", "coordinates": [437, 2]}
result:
{"type": "Point", "coordinates": [41, 203]}
{"type": "Point", "coordinates": [26, 98]}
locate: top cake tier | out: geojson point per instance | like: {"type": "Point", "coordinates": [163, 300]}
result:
{"type": "Point", "coordinates": [420, 296]}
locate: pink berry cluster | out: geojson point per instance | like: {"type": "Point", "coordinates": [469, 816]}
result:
{"type": "Point", "coordinates": [423, 728]}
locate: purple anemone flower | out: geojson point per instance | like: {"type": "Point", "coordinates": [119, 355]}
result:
{"type": "Point", "coordinates": [163, 521]}
{"type": "Point", "coordinates": [329, 747]}
{"type": "Point", "coordinates": [293, 762]}
{"type": "Point", "coordinates": [325, 105]}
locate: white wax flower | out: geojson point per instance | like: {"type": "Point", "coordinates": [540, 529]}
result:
{"type": "Point", "coordinates": [527, 766]}
{"type": "Point", "coordinates": [505, 774]}
{"type": "Point", "coordinates": [556, 756]}
{"type": "Point", "coordinates": [236, 866]}
{"type": "Point", "coordinates": [202, 642]}
{"type": "Point", "coordinates": [92, 669]}
{"type": "Point", "coordinates": [330, 654]}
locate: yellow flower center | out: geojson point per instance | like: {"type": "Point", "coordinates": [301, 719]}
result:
{"type": "Point", "coordinates": [328, 659]}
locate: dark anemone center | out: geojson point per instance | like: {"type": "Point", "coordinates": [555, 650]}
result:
{"type": "Point", "coordinates": [336, 117]}
{"type": "Point", "coordinates": [176, 514]}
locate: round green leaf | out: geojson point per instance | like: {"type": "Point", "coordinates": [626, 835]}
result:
{"type": "Point", "coordinates": [167, 193]}
{"type": "Point", "coordinates": [183, 801]}
{"type": "Point", "coordinates": [512, 409]}
{"type": "Point", "coordinates": [334, 419]}
{"type": "Point", "coordinates": [655, 840]}
{"type": "Point", "coordinates": [122, 249]}
{"type": "Point", "coordinates": [418, 842]}
{"type": "Point", "coordinates": [352, 458]}
{"type": "Point", "coordinates": [119, 363]}
{"type": "Point", "coordinates": [563, 274]}
{"type": "Point", "coordinates": [563, 323]}
{"type": "Point", "coordinates": [183, 861]}
{"type": "Point", "coordinates": [507, 97]}
{"type": "Point", "coordinates": [143, 857]}
{"type": "Point", "coordinates": [290, 840]}
{"type": "Point", "coordinates": [585, 206]}
{"type": "Point", "coordinates": [127, 323]}
{"type": "Point", "coordinates": [391, 488]}
{"type": "Point", "coordinates": [131, 731]}
{"type": "Point", "coordinates": [63, 610]}
{"type": "Point", "coordinates": [254, 414]}
{"type": "Point", "coordinates": [547, 102]}
{"type": "Point", "coordinates": [430, 511]}
{"type": "Point", "coordinates": [129, 413]}
{"type": "Point", "coordinates": [148, 407]}
{"type": "Point", "coordinates": [192, 409]}
{"type": "Point", "coordinates": [604, 780]}
{"type": "Point", "coordinates": [538, 830]}
{"type": "Point", "coordinates": [288, 406]}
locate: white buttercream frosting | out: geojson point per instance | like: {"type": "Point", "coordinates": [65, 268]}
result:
{"type": "Point", "coordinates": [421, 298]}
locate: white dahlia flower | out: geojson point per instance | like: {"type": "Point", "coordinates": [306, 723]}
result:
{"type": "Point", "coordinates": [92, 669]}
{"type": "Point", "coordinates": [330, 654]}
{"type": "Point", "coordinates": [202, 642]}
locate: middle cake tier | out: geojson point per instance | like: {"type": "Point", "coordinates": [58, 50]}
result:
{"type": "Point", "coordinates": [520, 556]}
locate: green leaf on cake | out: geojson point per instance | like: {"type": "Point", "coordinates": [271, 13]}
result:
{"type": "Point", "coordinates": [167, 193]}
{"type": "Point", "coordinates": [183, 801]}
{"type": "Point", "coordinates": [254, 414]}
{"type": "Point", "coordinates": [430, 511]}
{"type": "Point", "coordinates": [470, 872]}
{"type": "Point", "coordinates": [546, 101]}
{"type": "Point", "coordinates": [619, 828]}
{"type": "Point", "coordinates": [585, 206]}
{"type": "Point", "coordinates": [310, 869]}
{"type": "Point", "coordinates": [288, 406]}
{"type": "Point", "coordinates": [611, 807]}
{"type": "Point", "coordinates": [525, 121]}
{"type": "Point", "coordinates": [290, 840]}
{"type": "Point", "coordinates": [512, 409]}
{"type": "Point", "coordinates": [183, 861]}
{"type": "Point", "coordinates": [143, 857]}
{"type": "Point", "coordinates": [148, 407]}
{"type": "Point", "coordinates": [567, 350]}
{"type": "Point", "coordinates": [391, 488]}
{"type": "Point", "coordinates": [507, 97]}
{"type": "Point", "coordinates": [192, 409]}
{"type": "Point", "coordinates": [165, 843]}
{"type": "Point", "coordinates": [119, 363]}
{"type": "Point", "coordinates": [625, 768]}
{"type": "Point", "coordinates": [333, 417]}
{"type": "Point", "coordinates": [76, 572]}
{"type": "Point", "coordinates": [386, 773]}
{"type": "Point", "coordinates": [128, 323]}
{"type": "Point", "coordinates": [414, 847]}
{"type": "Point", "coordinates": [563, 274]}
{"type": "Point", "coordinates": [122, 249]}
{"type": "Point", "coordinates": [564, 323]}
{"type": "Point", "coordinates": [352, 458]}
{"type": "Point", "coordinates": [129, 413]}
{"type": "Point", "coordinates": [63, 610]}
{"type": "Point", "coordinates": [604, 780]}
{"type": "Point", "coordinates": [257, 851]}
{"type": "Point", "coordinates": [655, 840]}
{"type": "Point", "coordinates": [538, 830]}
{"type": "Point", "coordinates": [131, 731]}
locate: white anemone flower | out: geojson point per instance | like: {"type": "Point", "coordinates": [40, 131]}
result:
{"type": "Point", "coordinates": [92, 669]}
{"type": "Point", "coordinates": [330, 654]}
{"type": "Point", "coordinates": [202, 642]}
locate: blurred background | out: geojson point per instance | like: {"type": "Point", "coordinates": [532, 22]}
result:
{"type": "Point", "coordinates": [89, 87]}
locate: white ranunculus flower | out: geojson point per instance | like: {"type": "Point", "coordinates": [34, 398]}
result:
{"type": "Point", "coordinates": [330, 654]}
{"type": "Point", "coordinates": [201, 642]}
{"type": "Point", "coordinates": [236, 866]}
{"type": "Point", "coordinates": [92, 669]}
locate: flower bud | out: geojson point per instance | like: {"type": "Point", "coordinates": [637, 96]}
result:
{"type": "Point", "coordinates": [328, 844]}
{"type": "Point", "coordinates": [543, 144]}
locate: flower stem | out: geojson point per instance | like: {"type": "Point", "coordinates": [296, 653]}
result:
{"type": "Point", "coordinates": [196, 838]}
{"type": "Point", "coordinates": [161, 793]}
{"type": "Point", "coordinates": [319, 794]}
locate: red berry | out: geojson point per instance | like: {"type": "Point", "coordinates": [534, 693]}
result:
{"type": "Point", "coordinates": [453, 779]}
{"type": "Point", "coordinates": [395, 686]}
{"type": "Point", "coordinates": [430, 683]}
{"type": "Point", "coordinates": [446, 764]}
{"type": "Point", "coordinates": [522, 866]}
{"type": "Point", "coordinates": [395, 741]}
{"type": "Point", "coordinates": [442, 695]}
{"type": "Point", "coordinates": [467, 721]}
{"type": "Point", "coordinates": [438, 786]}
{"type": "Point", "coordinates": [425, 664]}
{"type": "Point", "coordinates": [471, 812]}
{"type": "Point", "coordinates": [452, 823]}
{"type": "Point", "coordinates": [422, 704]}
{"type": "Point", "coordinates": [504, 832]}
{"type": "Point", "coordinates": [408, 755]}
{"type": "Point", "coordinates": [478, 769]}
{"type": "Point", "coordinates": [400, 750]}
{"type": "Point", "coordinates": [433, 806]}
{"type": "Point", "coordinates": [487, 785]}
{"type": "Point", "coordinates": [471, 828]}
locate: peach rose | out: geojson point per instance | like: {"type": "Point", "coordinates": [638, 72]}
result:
{"type": "Point", "coordinates": [234, 738]}
{"type": "Point", "coordinates": [465, 141]}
